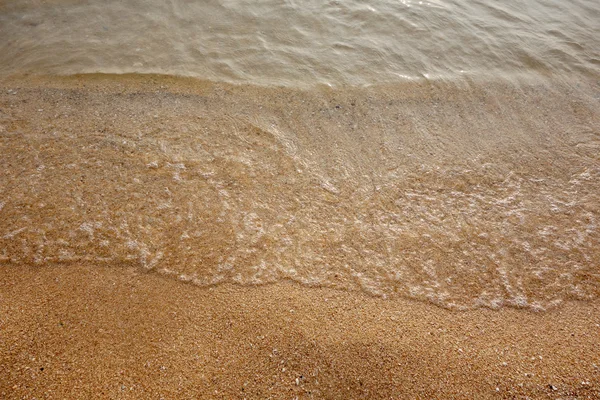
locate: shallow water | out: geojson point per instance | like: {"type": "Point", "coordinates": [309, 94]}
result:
{"type": "Point", "coordinates": [440, 151]}
{"type": "Point", "coordinates": [301, 43]}
{"type": "Point", "coordinates": [465, 197]}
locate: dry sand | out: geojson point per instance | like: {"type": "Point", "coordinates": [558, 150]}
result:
{"type": "Point", "coordinates": [111, 330]}
{"type": "Point", "coordinates": [101, 332]}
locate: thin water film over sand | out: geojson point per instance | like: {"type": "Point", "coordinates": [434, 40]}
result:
{"type": "Point", "coordinates": [463, 195]}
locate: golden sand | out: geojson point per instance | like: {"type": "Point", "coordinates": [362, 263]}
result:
{"type": "Point", "coordinates": [171, 238]}
{"type": "Point", "coordinates": [101, 332]}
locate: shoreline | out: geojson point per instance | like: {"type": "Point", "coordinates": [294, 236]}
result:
{"type": "Point", "coordinates": [475, 193]}
{"type": "Point", "coordinates": [134, 81]}
{"type": "Point", "coordinates": [469, 197]}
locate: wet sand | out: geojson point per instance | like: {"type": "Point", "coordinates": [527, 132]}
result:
{"type": "Point", "coordinates": [88, 313]}
{"type": "Point", "coordinates": [465, 194]}
{"type": "Point", "coordinates": [102, 332]}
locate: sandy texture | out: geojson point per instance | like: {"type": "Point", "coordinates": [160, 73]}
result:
{"type": "Point", "coordinates": [169, 238]}
{"type": "Point", "coordinates": [81, 332]}
{"type": "Point", "coordinates": [467, 195]}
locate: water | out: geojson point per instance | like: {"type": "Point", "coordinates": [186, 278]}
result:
{"type": "Point", "coordinates": [301, 43]}
{"type": "Point", "coordinates": [440, 151]}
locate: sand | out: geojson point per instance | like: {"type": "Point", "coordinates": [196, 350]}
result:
{"type": "Point", "coordinates": [83, 328]}
{"type": "Point", "coordinates": [102, 332]}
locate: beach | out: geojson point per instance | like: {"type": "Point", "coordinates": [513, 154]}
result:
{"type": "Point", "coordinates": [299, 199]}
{"type": "Point", "coordinates": [175, 238]}
{"type": "Point", "coordinates": [81, 332]}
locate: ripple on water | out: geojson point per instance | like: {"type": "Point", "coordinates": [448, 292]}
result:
{"type": "Point", "coordinates": [301, 44]}
{"type": "Point", "coordinates": [392, 191]}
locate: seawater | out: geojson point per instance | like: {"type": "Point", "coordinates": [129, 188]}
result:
{"type": "Point", "coordinates": [441, 151]}
{"type": "Point", "coordinates": [301, 43]}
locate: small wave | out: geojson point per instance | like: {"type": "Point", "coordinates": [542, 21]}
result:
{"type": "Point", "coordinates": [485, 196]}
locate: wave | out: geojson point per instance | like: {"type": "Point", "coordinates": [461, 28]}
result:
{"type": "Point", "coordinates": [479, 195]}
